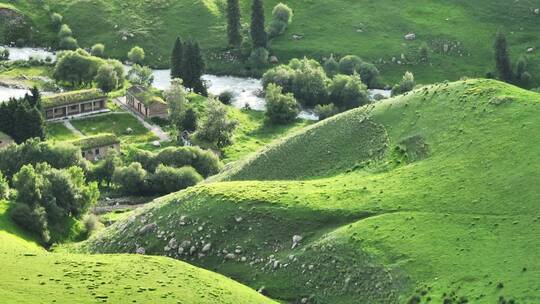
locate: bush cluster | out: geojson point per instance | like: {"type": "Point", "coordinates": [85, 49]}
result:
{"type": "Point", "coordinates": [49, 201]}
{"type": "Point", "coordinates": [308, 81]}
{"type": "Point", "coordinates": [281, 17]}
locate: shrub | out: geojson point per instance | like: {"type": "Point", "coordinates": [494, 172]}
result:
{"type": "Point", "coordinates": [424, 52]}
{"type": "Point", "coordinates": [310, 83]}
{"type": "Point", "coordinates": [168, 179]}
{"type": "Point", "coordinates": [53, 198]}
{"type": "Point", "coordinates": [282, 13]}
{"type": "Point", "coordinates": [31, 219]}
{"type": "Point", "coordinates": [68, 43]}
{"type": "Point", "coordinates": [216, 128]}
{"type": "Point", "coordinates": [4, 189]}
{"type": "Point", "coordinates": [350, 64]}
{"type": "Point", "coordinates": [98, 50]}
{"type": "Point", "coordinates": [276, 28]}
{"type": "Point", "coordinates": [65, 31]}
{"type": "Point", "coordinates": [259, 57]}
{"type": "Point", "coordinates": [305, 79]}
{"type": "Point", "coordinates": [33, 151]}
{"type": "Point", "coordinates": [189, 120]}
{"type": "Point", "coordinates": [326, 111]}
{"type": "Point", "coordinates": [130, 180]}
{"type": "Point", "coordinates": [226, 97]}
{"type": "Point", "coordinates": [4, 54]}
{"type": "Point", "coordinates": [205, 162]}
{"type": "Point", "coordinates": [106, 78]}
{"type": "Point", "coordinates": [331, 66]}
{"type": "Point", "coordinates": [369, 74]}
{"type": "Point", "coordinates": [136, 55]}
{"type": "Point", "coordinates": [280, 108]}
{"type": "Point", "coordinates": [348, 92]}
{"type": "Point", "coordinates": [140, 75]}
{"type": "Point", "coordinates": [91, 224]}
{"type": "Point", "coordinates": [56, 20]}
{"type": "Point", "coordinates": [281, 75]}
{"type": "Point", "coordinates": [407, 84]}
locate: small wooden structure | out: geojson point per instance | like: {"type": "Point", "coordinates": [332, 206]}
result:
{"type": "Point", "coordinates": [98, 147]}
{"type": "Point", "coordinates": [5, 140]}
{"type": "Point", "coordinates": [74, 103]}
{"type": "Point", "coordinates": [145, 103]}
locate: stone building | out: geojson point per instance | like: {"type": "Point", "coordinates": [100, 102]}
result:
{"type": "Point", "coordinates": [145, 103]}
{"type": "Point", "coordinates": [74, 103]}
{"type": "Point", "coordinates": [98, 147]}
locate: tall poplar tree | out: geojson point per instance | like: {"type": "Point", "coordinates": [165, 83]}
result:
{"type": "Point", "coordinates": [502, 58]}
{"type": "Point", "coordinates": [177, 59]}
{"type": "Point", "coordinates": [193, 67]}
{"type": "Point", "coordinates": [233, 23]}
{"type": "Point", "coordinates": [258, 33]}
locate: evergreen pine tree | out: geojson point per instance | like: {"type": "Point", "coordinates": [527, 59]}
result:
{"type": "Point", "coordinates": [177, 58]}
{"type": "Point", "coordinates": [258, 33]}
{"type": "Point", "coordinates": [502, 58]}
{"type": "Point", "coordinates": [233, 23]}
{"type": "Point", "coordinates": [35, 98]}
{"type": "Point", "coordinates": [193, 67]}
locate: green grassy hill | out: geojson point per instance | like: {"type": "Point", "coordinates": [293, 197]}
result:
{"type": "Point", "coordinates": [32, 275]}
{"type": "Point", "coordinates": [427, 197]}
{"type": "Point", "coordinates": [374, 30]}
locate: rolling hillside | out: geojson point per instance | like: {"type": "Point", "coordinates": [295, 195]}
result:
{"type": "Point", "coordinates": [426, 197]}
{"type": "Point", "coordinates": [459, 33]}
{"type": "Point", "coordinates": [32, 275]}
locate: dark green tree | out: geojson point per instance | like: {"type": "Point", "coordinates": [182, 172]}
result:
{"type": "Point", "coordinates": [502, 58]}
{"type": "Point", "coordinates": [177, 58]}
{"type": "Point", "coordinates": [258, 32]}
{"type": "Point", "coordinates": [193, 68]}
{"type": "Point", "coordinates": [233, 23]}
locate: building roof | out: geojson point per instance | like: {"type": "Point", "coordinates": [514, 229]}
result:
{"type": "Point", "coordinates": [72, 97]}
{"type": "Point", "coordinates": [96, 141]}
{"type": "Point", "coordinates": [146, 96]}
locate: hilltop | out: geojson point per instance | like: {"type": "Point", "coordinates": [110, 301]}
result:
{"type": "Point", "coordinates": [458, 33]}
{"type": "Point", "coordinates": [429, 196]}
{"type": "Point", "coordinates": [30, 275]}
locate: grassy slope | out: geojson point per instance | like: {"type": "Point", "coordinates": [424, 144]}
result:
{"type": "Point", "coordinates": [252, 133]}
{"type": "Point", "coordinates": [328, 27]}
{"type": "Point", "coordinates": [460, 223]}
{"type": "Point", "coordinates": [31, 275]}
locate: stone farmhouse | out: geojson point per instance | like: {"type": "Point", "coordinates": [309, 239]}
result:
{"type": "Point", "coordinates": [145, 103]}
{"type": "Point", "coordinates": [98, 147]}
{"type": "Point", "coordinates": [75, 103]}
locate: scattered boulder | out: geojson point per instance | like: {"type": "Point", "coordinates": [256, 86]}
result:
{"type": "Point", "coordinates": [230, 256]}
{"type": "Point", "coordinates": [207, 248]}
{"type": "Point", "coordinates": [147, 228]}
{"type": "Point", "coordinates": [173, 244]}
{"type": "Point", "coordinates": [410, 36]}
{"type": "Point", "coordinates": [296, 240]}
{"type": "Point", "coordinates": [156, 144]}
{"type": "Point", "coordinates": [140, 250]}
{"type": "Point", "coordinates": [537, 11]}
{"type": "Point", "coordinates": [297, 37]}
{"type": "Point", "coordinates": [274, 60]}
{"type": "Point", "coordinates": [530, 50]}
{"type": "Point", "coordinates": [129, 130]}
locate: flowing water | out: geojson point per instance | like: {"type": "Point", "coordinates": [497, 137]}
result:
{"type": "Point", "coordinates": [246, 91]}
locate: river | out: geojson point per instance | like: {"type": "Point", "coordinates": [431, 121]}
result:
{"type": "Point", "coordinates": [245, 90]}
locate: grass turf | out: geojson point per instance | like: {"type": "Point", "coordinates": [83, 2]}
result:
{"type": "Point", "coordinates": [373, 30]}
{"type": "Point", "coordinates": [31, 275]}
{"type": "Point", "coordinates": [59, 132]}
{"type": "Point", "coordinates": [117, 124]}
{"type": "Point", "coordinates": [448, 211]}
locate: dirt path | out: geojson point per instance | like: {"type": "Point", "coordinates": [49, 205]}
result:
{"type": "Point", "coordinates": [68, 125]}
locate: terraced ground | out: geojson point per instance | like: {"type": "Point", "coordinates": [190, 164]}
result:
{"type": "Point", "coordinates": [459, 32]}
{"type": "Point", "coordinates": [32, 275]}
{"type": "Point", "coordinates": [427, 197]}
